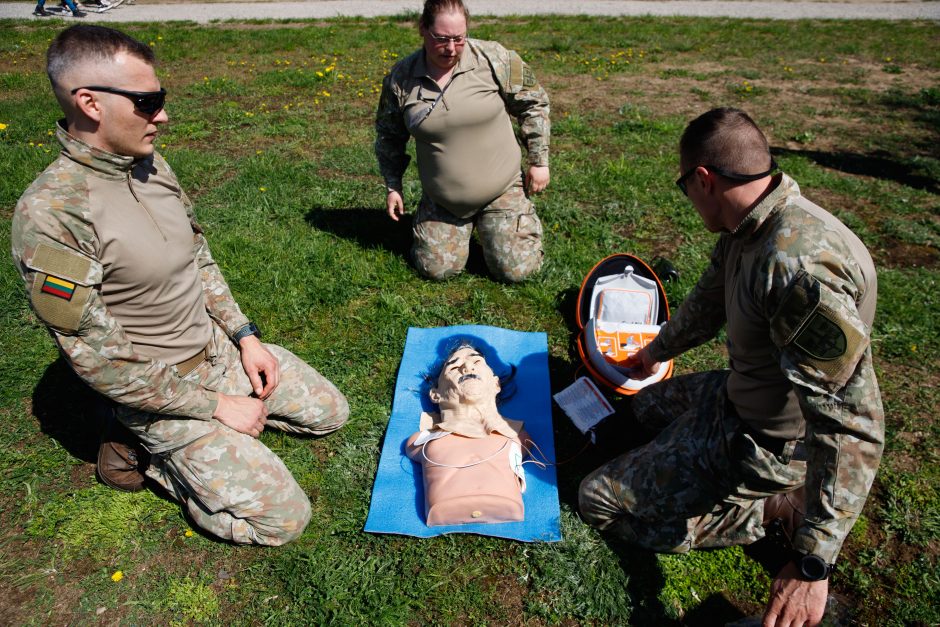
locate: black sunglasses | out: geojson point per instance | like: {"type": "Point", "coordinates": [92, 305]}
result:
{"type": "Point", "coordinates": [147, 102]}
{"type": "Point", "coordinates": [734, 176]}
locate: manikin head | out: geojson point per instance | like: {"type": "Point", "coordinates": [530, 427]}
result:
{"type": "Point", "coordinates": [443, 26]}
{"type": "Point", "coordinates": [465, 379]}
{"type": "Point", "coordinates": [725, 163]}
{"type": "Point", "coordinates": [93, 70]}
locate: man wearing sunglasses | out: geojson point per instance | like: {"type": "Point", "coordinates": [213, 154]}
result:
{"type": "Point", "coordinates": [783, 446]}
{"type": "Point", "coordinates": [118, 269]}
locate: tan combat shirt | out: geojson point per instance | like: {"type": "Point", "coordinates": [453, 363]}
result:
{"type": "Point", "coordinates": [467, 151]}
{"type": "Point", "coordinates": [119, 271]}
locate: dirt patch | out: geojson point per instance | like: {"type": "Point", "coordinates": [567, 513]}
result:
{"type": "Point", "coordinates": [887, 251]}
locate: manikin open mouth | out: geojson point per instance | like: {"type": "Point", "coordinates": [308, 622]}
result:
{"type": "Point", "coordinates": [467, 376]}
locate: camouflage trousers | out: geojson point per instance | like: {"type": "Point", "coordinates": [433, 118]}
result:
{"type": "Point", "coordinates": [230, 483]}
{"type": "Point", "coordinates": [700, 483]}
{"type": "Point", "coordinates": [509, 231]}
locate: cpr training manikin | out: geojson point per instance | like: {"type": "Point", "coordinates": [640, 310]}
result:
{"type": "Point", "coordinates": [470, 455]}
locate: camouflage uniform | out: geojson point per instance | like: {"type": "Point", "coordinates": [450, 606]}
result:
{"type": "Point", "coordinates": [230, 483]}
{"type": "Point", "coordinates": [509, 229]}
{"type": "Point", "coordinates": [797, 292]}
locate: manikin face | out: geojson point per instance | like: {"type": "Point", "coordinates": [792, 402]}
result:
{"type": "Point", "coordinates": [465, 379]}
{"type": "Point", "coordinates": [122, 129]}
{"type": "Point", "coordinates": [445, 55]}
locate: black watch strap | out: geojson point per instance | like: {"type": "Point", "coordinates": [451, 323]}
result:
{"type": "Point", "coordinates": [812, 567]}
{"type": "Point", "coordinates": [249, 329]}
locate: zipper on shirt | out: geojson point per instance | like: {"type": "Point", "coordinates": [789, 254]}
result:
{"type": "Point", "coordinates": [130, 186]}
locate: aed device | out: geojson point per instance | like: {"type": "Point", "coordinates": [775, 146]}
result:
{"type": "Point", "coordinates": [620, 309]}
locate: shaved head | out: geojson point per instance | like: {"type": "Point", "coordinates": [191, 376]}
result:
{"type": "Point", "coordinates": [86, 54]}
{"type": "Point", "coordinates": [726, 138]}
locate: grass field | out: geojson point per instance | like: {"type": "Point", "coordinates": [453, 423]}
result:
{"type": "Point", "coordinates": [271, 134]}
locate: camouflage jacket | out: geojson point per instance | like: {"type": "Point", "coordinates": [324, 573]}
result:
{"type": "Point", "coordinates": [525, 100]}
{"type": "Point", "coordinates": [797, 291]}
{"type": "Point", "coordinates": [55, 244]}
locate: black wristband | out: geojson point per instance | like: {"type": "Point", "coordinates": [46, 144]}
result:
{"type": "Point", "coordinates": [245, 331]}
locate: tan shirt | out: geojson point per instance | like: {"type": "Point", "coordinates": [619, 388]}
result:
{"type": "Point", "coordinates": [150, 284]}
{"type": "Point", "coordinates": [467, 151]}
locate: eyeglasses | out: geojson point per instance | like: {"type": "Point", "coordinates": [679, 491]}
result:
{"type": "Point", "coordinates": [147, 102]}
{"type": "Point", "coordinates": [443, 40]}
{"type": "Point", "coordinates": [734, 176]}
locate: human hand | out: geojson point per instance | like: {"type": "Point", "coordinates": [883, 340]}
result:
{"type": "Point", "coordinates": [641, 364]}
{"type": "Point", "coordinates": [794, 602]}
{"type": "Point", "coordinates": [258, 360]}
{"type": "Point", "coordinates": [395, 205]}
{"type": "Point", "coordinates": [536, 179]}
{"type": "Point", "coordinates": [244, 414]}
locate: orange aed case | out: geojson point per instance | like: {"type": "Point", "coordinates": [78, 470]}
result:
{"type": "Point", "coordinates": [620, 308]}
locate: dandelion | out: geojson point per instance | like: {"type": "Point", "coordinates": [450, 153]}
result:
{"type": "Point", "coordinates": [320, 74]}
{"type": "Point", "coordinates": [162, 145]}
{"type": "Point", "coordinates": [262, 189]}
{"type": "Point", "coordinates": [3, 127]}
{"type": "Point", "coordinates": [188, 533]}
{"type": "Point", "coordinates": [913, 348]}
{"type": "Point", "coordinates": [259, 152]}
{"type": "Point", "coordinates": [117, 576]}
{"type": "Point", "coordinates": [152, 44]}
{"type": "Point", "coordinates": [159, 37]}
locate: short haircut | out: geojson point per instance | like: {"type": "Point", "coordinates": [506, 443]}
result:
{"type": "Point", "coordinates": [726, 138]}
{"type": "Point", "coordinates": [88, 43]}
{"type": "Point", "coordinates": [433, 8]}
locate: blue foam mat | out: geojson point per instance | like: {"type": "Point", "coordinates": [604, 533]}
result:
{"type": "Point", "coordinates": [398, 494]}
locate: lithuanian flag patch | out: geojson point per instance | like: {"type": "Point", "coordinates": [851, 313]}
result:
{"type": "Point", "coordinates": [58, 287]}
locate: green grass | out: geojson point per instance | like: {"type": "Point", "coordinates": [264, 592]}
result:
{"type": "Point", "coordinates": [270, 134]}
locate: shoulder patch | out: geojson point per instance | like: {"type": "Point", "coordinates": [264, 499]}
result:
{"type": "Point", "coordinates": [60, 287]}
{"type": "Point", "coordinates": [821, 337]}
{"type": "Point", "coordinates": [822, 334]}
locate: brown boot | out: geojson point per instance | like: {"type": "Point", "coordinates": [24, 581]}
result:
{"type": "Point", "coordinates": [121, 458]}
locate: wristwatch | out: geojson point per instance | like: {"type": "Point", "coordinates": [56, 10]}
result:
{"type": "Point", "coordinates": [812, 567]}
{"type": "Point", "coordinates": [249, 329]}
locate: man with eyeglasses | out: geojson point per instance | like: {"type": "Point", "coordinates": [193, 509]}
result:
{"type": "Point", "coordinates": [782, 447]}
{"type": "Point", "coordinates": [118, 269]}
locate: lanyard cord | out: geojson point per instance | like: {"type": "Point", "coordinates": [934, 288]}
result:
{"type": "Point", "coordinates": [424, 454]}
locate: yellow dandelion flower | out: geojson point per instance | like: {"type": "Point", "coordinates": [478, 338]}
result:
{"type": "Point", "coordinates": [263, 189]}
{"type": "Point", "coordinates": [188, 533]}
{"type": "Point", "coordinates": [3, 127]}
{"type": "Point", "coordinates": [117, 576]}
{"type": "Point", "coordinates": [258, 152]}
{"type": "Point", "coordinates": [320, 74]}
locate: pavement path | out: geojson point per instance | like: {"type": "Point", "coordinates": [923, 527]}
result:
{"type": "Point", "coordinates": [204, 12]}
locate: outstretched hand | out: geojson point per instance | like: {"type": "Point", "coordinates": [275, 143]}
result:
{"type": "Point", "coordinates": [794, 601]}
{"type": "Point", "coordinates": [641, 365]}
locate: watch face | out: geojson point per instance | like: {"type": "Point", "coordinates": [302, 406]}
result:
{"type": "Point", "coordinates": [813, 568]}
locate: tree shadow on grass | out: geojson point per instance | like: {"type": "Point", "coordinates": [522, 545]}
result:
{"type": "Point", "coordinates": [878, 164]}
{"type": "Point", "coordinates": [372, 228]}
{"type": "Point", "coordinates": [68, 411]}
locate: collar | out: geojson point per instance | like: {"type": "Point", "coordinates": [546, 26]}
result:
{"type": "Point", "coordinates": [468, 61]}
{"type": "Point", "coordinates": [767, 207]}
{"type": "Point", "coordinates": [107, 164]}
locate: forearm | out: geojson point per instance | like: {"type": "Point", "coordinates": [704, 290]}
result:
{"type": "Point", "coordinates": [219, 301]}
{"type": "Point", "coordinates": [391, 137]}
{"type": "Point", "coordinates": [106, 360]}
{"type": "Point", "coordinates": [845, 440]}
